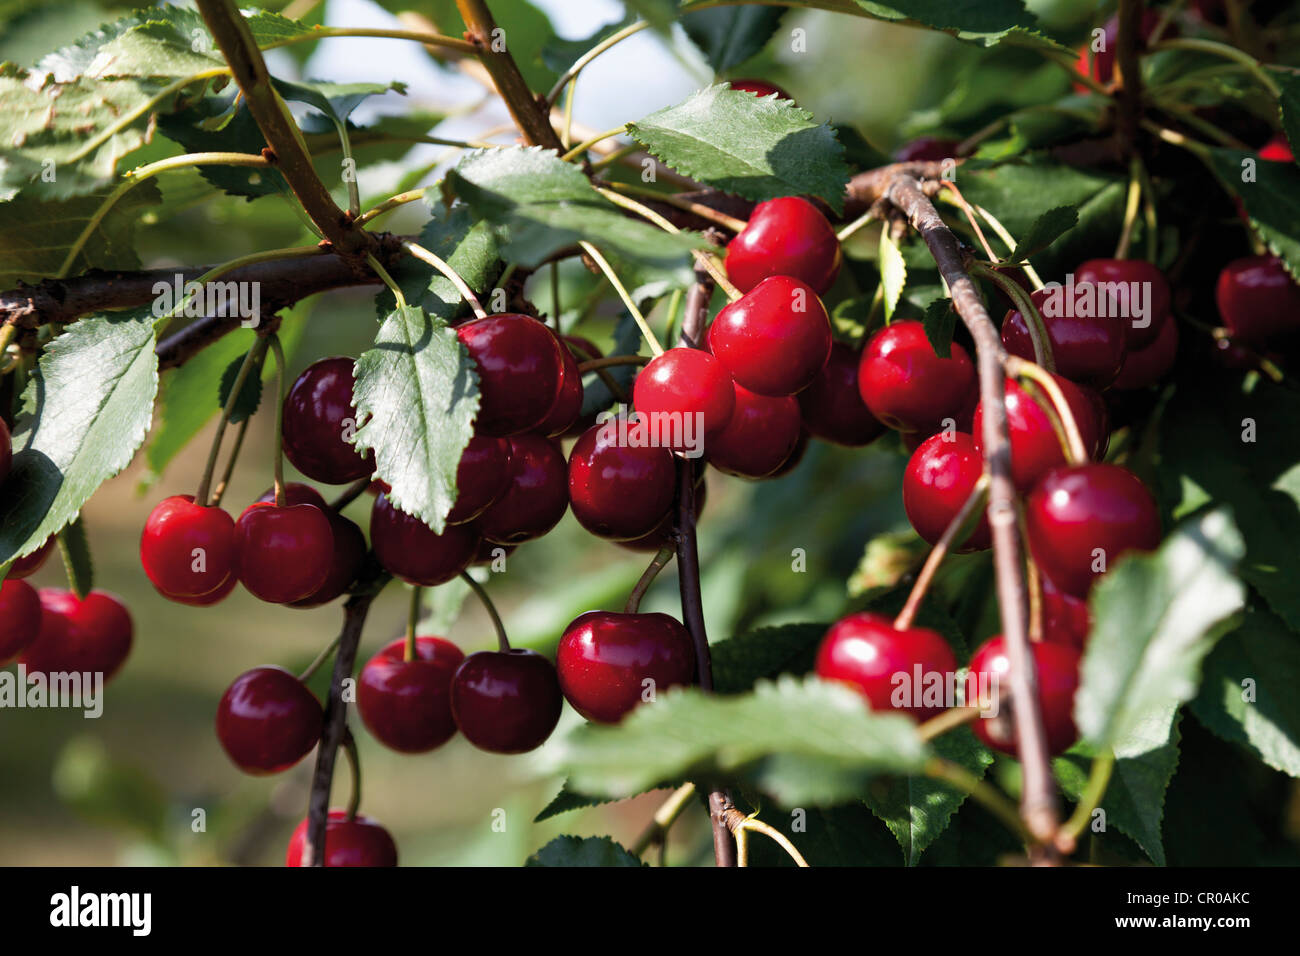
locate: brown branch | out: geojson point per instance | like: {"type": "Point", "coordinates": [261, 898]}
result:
{"type": "Point", "coordinates": [1128, 101]}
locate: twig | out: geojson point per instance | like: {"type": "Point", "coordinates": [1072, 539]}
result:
{"type": "Point", "coordinates": [1128, 73]}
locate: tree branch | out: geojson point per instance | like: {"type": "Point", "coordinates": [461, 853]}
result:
{"type": "Point", "coordinates": [1128, 102]}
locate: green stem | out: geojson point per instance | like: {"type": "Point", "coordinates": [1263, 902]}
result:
{"type": "Point", "coordinates": [281, 384]}
{"type": "Point", "coordinates": [320, 659]}
{"type": "Point", "coordinates": [220, 490]}
{"type": "Point", "coordinates": [605, 267]}
{"type": "Point", "coordinates": [1131, 205]}
{"type": "Point", "coordinates": [1075, 450]}
{"type": "Point", "coordinates": [980, 791]}
{"type": "Point", "coordinates": [577, 151]}
{"type": "Point", "coordinates": [1227, 52]}
{"type": "Point", "coordinates": [1098, 780]}
{"type": "Point", "coordinates": [664, 818]}
{"type": "Point", "coordinates": [354, 764]}
{"type": "Point", "coordinates": [647, 578]}
{"type": "Point", "coordinates": [555, 293]}
{"type": "Point", "coordinates": [428, 39]}
{"type": "Point", "coordinates": [252, 359]}
{"type": "Point", "coordinates": [413, 610]}
{"type": "Point", "coordinates": [1038, 335]}
{"type": "Point", "coordinates": [388, 280]}
{"type": "Point", "coordinates": [503, 643]}
{"type": "Point", "coordinates": [354, 193]}
{"type": "Point", "coordinates": [427, 257]}
{"type": "Point", "coordinates": [581, 62]}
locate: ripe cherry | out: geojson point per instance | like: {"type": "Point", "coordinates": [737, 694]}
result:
{"type": "Point", "coordinates": [987, 682]}
{"type": "Point", "coordinates": [784, 237]}
{"type": "Point", "coordinates": [411, 550]}
{"type": "Point", "coordinates": [482, 477]}
{"type": "Point", "coordinates": [90, 636]}
{"type": "Point", "coordinates": [927, 149]}
{"type": "Point", "coordinates": [1277, 150]}
{"type": "Point", "coordinates": [568, 401]}
{"type": "Point", "coordinates": [1149, 365]}
{"type": "Point", "coordinates": [296, 493]}
{"type": "Point", "coordinates": [1035, 446]}
{"type": "Point", "coordinates": [346, 560]}
{"type": "Point", "coordinates": [907, 386]}
{"type": "Point", "coordinates": [775, 339]}
{"type": "Point", "coordinates": [760, 88]}
{"type": "Point", "coordinates": [407, 704]}
{"type": "Point", "coordinates": [1110, 275]}
{"type": "Point", "coordinates": [662, 535]}
{"type": "Point", "coordinates": [1087, 349]}
{"type": "Point", "coordinates": [832, 407]}
{"type": "Point", "coordinates": [268, 720]}
{"type": "Point", "coordinates": [582, 350]}
{"type": "Point", "coordinates": [318, 417]}
{"type": "Point", "coordinates": [187, 550]}
{"type": "Point", "coordinates": [20, 618]}
{"type": "Point", "coordinates": [761, 436]}
{"type": "Point", "coordinates": [27, 566]}
{"type": "Point", "coordinates": [210, 599]}
{"type": "Point", "coordinates": [687, 395]}
{"type": "Point", "coordinates": [506, 702]}
{"type": "Point", "coordinates": [865, 651]}
{"type": "Point", "coordinates": [6, 451]}
{"type": "Point", "coordinates": [283, 554]}
{"type": "Point", "coordinates": [1065, 617]}
{"type": "Point", "coordinates": [608, 662]}
{"type": "Point", "coordinates": [489, 552]}
{"type": "Point", "coordinates": [357, 842]}
{"type": "Point", "coordinates": [940, 476]}
{"type": "Point", "coordinates": [537, 497]}
{"type": "Point", "coordinates": [1258, 300]}
{"type": "Point", "coordinates": [619, 491]}
{"type": "Point", "coordinates": [519, 371]}
{"type": "Point", "coordinates": [1081, 520]}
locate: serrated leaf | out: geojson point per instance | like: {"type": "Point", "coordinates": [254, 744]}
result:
{"type": "Point", "coordinates": [1272, 201]}
{"type": "Point", "coordinates": [159, 41]}
{"type": "Point", "coordinates": [985, 21]}
{"type": "Point", "coordinates": [756, 147]}
{"type": "Point", "coordinates": [465, 244]}
{"type": "Point", "coordinates": [658, 13]}
{"type": "Point", "coordinates": [250, 396]}
{"type": "Point", "coordinates": [893, 273]}
{"type": "Point", "coordinates": [582, 851]}
{"type": "Point", "coordinates": [336, 101]}
{"type": "Point", "coordinates": [74, 548]}
{"type": "Point", "coordinates": [239, 134]}
{"type": "Point", "coordinates": [1154, 620]}
{"type": "Point", "coordinates": [940, 321]}
{"type": "Point", "coordinates": [1045, 230]}
{"type": "Point", "coordinates": [728, 36]}
{"type": "Point", "coordinates": [1288, 103]}
{"type": "Point", "coordinates": [763, 653]}
{"type": "Point", "coordinates": [566, 801]}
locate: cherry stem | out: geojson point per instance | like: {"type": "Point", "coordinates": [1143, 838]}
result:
{"type": "Point", "coordinates": [1075, 449]}
{"type": "Point", "coordinates": [555, 293]}
{"type": "Point", "coordinates": [611, 383]}
{"type": "Point", "coordinates": [656, 832]}
{"type": "Point", "coordinates": [1098, 780]}
{"type": "Point", "coordinates": [413, 610]}
{"type": "Point", "coordinates": [351, 493]}
{"type": "Point", "coordinates": [647, 578]}
{"type": "Point", "coordinates": [1038, 335]}
{"type": "Point", "coordinates": [605, 267]}
{"type": "Point", "coordinates": [1030, 272]}
{"type": "Point", "coordinates": [715, 216]}
{"type": "Point", "coordinates": [571, 74]}
{"type": "Point", "coordinates": [964, 517]}
{"type": "Point", "coordinates": [1034, 582]}
{"type": "Point", "coordinates": [220, 490]}
{"type": "Point", "coordinates": [974, 223]}
{"type": "Point", "coordinates": [980, 791]}
{"type": "Point", "coordinates": [577, 151]}
{"type": "Point", "coordinates": [280, 385]}
{"type": "Point", "coordinates": [612, 360]}
{"type": "Point", "coordinates": [866, 218]}
{"type": "Point", "coordinates": [393, 287]}
{"type": "Point", "coordinates": [950, 719]}
{"type": "Point", "coordinates": [427, 257]}
{"type": "Point", "coordinates": [1130, 210]}
{"type": "Point", "coordinates": [503, 643]}
{"type": "Point", "coordinates": [1227, 52]}
{"type": "Point", "coordinates": [251, 359]}
{"type": "Point", "coordinates": [319, 659]}
{"type": "Point", "coordinates": [354, 764]}
{"type": "Point", "coordinates": [742, 825]}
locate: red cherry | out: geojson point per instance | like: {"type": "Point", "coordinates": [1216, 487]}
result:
{"type": "Point", "coordinates": [27, 566]}
{"type": "Point", "coordinates": [775, 339]}
{"type": "Point", "coordinates": [1035, 447]}
{"type": "Point", "coordinates": [606, 661]}
{"type": "Point", "coordinates": [90, 636]}
{"type": "Point", "coordinates": [907, 386]}
{"type": "Point", "coordinates": [685, 396]}
{"type": "Point", "coordinates": [519, 371]}
{"type": "Point", "coordinates": [1087, 516]}
{"type": "Point", "coordinates": [940, 476]}
{"type": "Point", "coordinates": [318, 417]}
{"type": "Point", "coordinates": [762, 434]}
{"type": "Point", "coordinates": [1065, 618]}
{"type": "Point", "coordinates": [20, 618]}
{"type": "Point", "coordinates": [187, 550]}
{"type": "Point", "coordinates": [662, 535]}
{"type": "Point", "coordinates": [283, 554]}
{"type": "Point", "coordinates": [506, 702]}
{"type": "Point", "coordinates": [210, 599]}
{"type": "Point", "coordinates": [760, 88]}
{"type": "Point", "coordinates": [346, 560]}
{"type": "Point", "coordinates": [619, 491]}
{"type": "Point", "coordinates": [1258, 300]}
{"type": "Point", "coordinates": [1149, 365]}
{"type": "Point", "coordinates": [268, 720]}
{"type": "Point", "coordinates": [357, 842]}
{"type": "Point", "coordinates": [1131, 274]}
{"type": "Point", "coordinates": [538, 493]}
{"type": "Point", "coordinates": [482, 477]}
{"type": "Point", "coordinates": [927, 149]}
{"type": "Point", "coordinates": [784, 237]}
{"type": "Point", "coordinates": [296, 493]}
{"type": "Point", "coordinates": [411, 550]}
{"type": "Point", "coordinates": [6, 451]}
{"type": "Point", "coordinates": [987, 681]}
{"type": "Point", "coordinates": [487, 551]}
{"type": "Point", "coordinates": [407, 704]}
{"type": "Point", "coordinates": [796, 456]}
{"type": "Point", "coordinates": [1087, 349]}
{"type": "Point", "coordinates": [582, 350]}
{"type": "Point", "coordinates": [568, 401]}
{"type": "Point", "coordinates": [832, 407]}
{"type": "Point", "coordinates": [1277, 150]}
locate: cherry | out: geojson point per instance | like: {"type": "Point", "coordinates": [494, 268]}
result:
{"type": "Point", "coordinates": [283, 554]}
{"type": "Point", "coordinates": [1128, 272]}
{"type": "Point", "coordinates": [506, 702]}
{"type": "Point", "coordinates": [209, 599]}
{"type": "Point", "coordinates": [6, 451]}
{"type": "Point", "coordinates": [619, 491]}
{"type": "Point", "coordinates": [687, 395]}
{"type": "Point", "coordinates": [760, 88]}
{"type": "Point", "coordinates": [1277, 150]}
{"type": "Point", "coordinates": [85, 636]}
{"type": "Point", "coordinates": [927, 149]}
{"type": "Point", "coordinates": [1085, 517]}
{"type": "Point", "coordinates": [662, 535]}
{"type": "Point", "coordinates": [907, 386]}
{"type": "Point", "coordinates": [520, 367]}
{"type": "Point", "coordinates": [1258, 300]}
{"type": "Point", "coordinates": [407, 704]}
{"type": "Point", "coordinates": [784, 237]}
{"type": "Point", "coordinates": [268, 720]}
{"type": "Point", "coordinates": [25, 567]}
{"type": "Point", "coordinates": [866, 652]}
{"type": "Point", "coordinates": [775, 339]}
{"type": "Point", "coordinates": [486, 552]}
{"type": "Point", "coordinates": [356, 842]}
{"type": "Point", "coordinates": [940, 476]}
{"type": "Point", "coordinates": [606, 661]}
{"type": "Point", "coordinates": [537, 497]}
{"type": "Point", "coordinates": [1035, 447]}
{"type": "Point", "coordinates": [1057, 666]}
{"type": "Point", "coordinates": [1149, 365]}
{"type": "Point", "coordinates": [346, 561]}
{"type": "Point", "coordinates": [187, 550]}
{"type": "Point", "coordinates": [568, 401]}
{"type": "Point", "coordinates": [482, 477]}
{"type": "Point", "coordinates": [832, 407]}
{"type": "Point", "coordinates": [761, 436]}
{"type": "Point", "coordinates": [296, 493]}
{"type": "Point", "coordinates": [20, 618]}
{"type": "Point", "coordinates": [318, 415]}
{"type": "Point", "coordinates": [1065, 617]}
{"type": "Point", "coordinates": [1087, 349]}
{"type": "Point", "coordinates": [414, 552]}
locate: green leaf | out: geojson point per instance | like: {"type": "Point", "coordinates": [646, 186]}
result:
{"type": "Point", "coordinates": [940, 321]}
{"type": "Point", "coordinates": [658, 13]}
{"type": "Point", "coordinates": [74, 548]}
{"type": "Point", "coordinates": [1045, 230]}
{"type": "Point", "coordinates": [85, 412]}
{"type": "Point", "coordinates": [756, 147]}
{"type": "Point", "coordinates": [893, 273]}
{"type": "Point", "coordinates": [567, 800]}
{"type": "Point", "coordinates": [250, 396]}
{"type": "Point", "coordinates": [763, 653]}
{"type": "Point", "coordinates": [1288, 103]}
{"type": "Point", "coordinates": [984, 21]}
{"type": "Point", "coordinates": [1154, 620]}
{"type": "Point", "coordinates": [335, 101]}
{"type": "Point", "coordinates": [582, 851]}
{"type": "Point", "coordinates": [728, 36]}
{"type": "Point", "coordinates": [1272, 201]}
{"type": "Point", "coordinates": [416, 396]}
{"type": "Point", "coordinates": [238, 134]}
{"type": "Point", "coordinates": [465, 244]}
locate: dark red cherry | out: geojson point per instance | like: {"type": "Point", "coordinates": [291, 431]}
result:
{"type": "Point", "coordinates": [537, 497]}
{"type": "Point", "coordinates": [1081, 520]}
{"type": "Point", "coordinates": [1258, 300]}
{"type": "Point", "coordinates": [988, 686]}
{"type": "Point", "coordinates": [283, 554]}
{"type": "Point", "coordinates": [90, 636]}
{"type": "Point", "coordinates": [784, 237]}
{"type": "Point", "coordinates": [795, 457]}
{"type": "Point", "coordinates": [1277, 150]}
{"type": "Point", "coordinates": [345, 563]}
{"type": "Point", "coordinates": [519, 371]}
{"type": "Point", "coordinates": [27, 566]}
{"type": "Point", "coordinates": [1065, 617]}
{"type": "Point", "coordinates": [319, 419]}
{"type": "Point", "coordinates": [187, 550]}
{"type": "Point", "coordinates": [582, 350]}
{"type": "Point", "coordinates": [609, 663]}
{"type": "Point", "coordinates": [20, 618]}
{"type": "Point", "coordinates": [357, 842]}
{"type": "Point", "coordinates": [6, 451]}
{"type": "Point", "coordinates": [832, 407]}
{"type": "Point", "coordinates": [1149, 365]}
{"type": "Point", "coordinates": [489, 551]}
{"type": "Point", "coordinates": [893, 670]}
{"type": "Point", "coordinates": [482, 477]}
{"type": "Point", "coordinates": [506, 702]}
{"type": "Point", "coordinates": [760, 88]}
{"type": "Point", "coordinates": [1035, 447]}
{"type": "Point", "coordinates": [1087, 349]}
{"type": "Point", "coordinates": [619, 491]}
{"type": "Point", "coordinates": [208, 600]}
{"type": "Point", "coordinates": [296, 493]}
{"type": "Point", "coordinates": [907, 386]}
{"type": "Point", "coordinates": [760, 437]}
{"type": "Point", "coordinates": [1126, 283]}
{"type": "Point", "coordinates": [662, 535]}
{"type": "Point", "coordinates": [407, 704]}
{"type": "Point", "coordinates": [411, 550]}
{"type": "Point", "coordinates": [685, 396]}
{"type": "Point", "coordinates": [268, 720]}
{"type": "Point", "coordinates": [568, 401]}
{"type": "Point", "coordinates": [775, 339]}
{"type": "Point", "coordinates": [940, 476]}
{"type": "Point", "coordinates": [927, 148]}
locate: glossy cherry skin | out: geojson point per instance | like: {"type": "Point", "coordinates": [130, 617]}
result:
{"type": "Point", "coordinates": [1147, 366]}
{"type": "Point", "coordinates": [832, 407]}
{"type": "Point", "coordinates": [1277, 150]}
{"type": "Point", "coordinates": [411, 550]}
{"type": "Point", "coordinates": [187, 550]}
{"type": "Point", "coordinates": [283, 554]}
{"type": "Point", "coordinates": [1073, 512]}
{"type": "Point", "coordinates": [685, 382]}
{"type": "Point", "coordinates": [20, 618]}
{"type": "Point", "coordinates": [6, 451]}
{"type": "Point", "coordinates": [346, 560]}
{"type": "Point", "coordinates": [662, 535]}
{"type": "Point", "coordinates": [568, 400]}
{"type": "Point", "coordinates": [607, 662]}
{"type": "Point", "coordinates": [784, 237]}
{"type": "Point", "coordinates": [519, 371]}
{"type": "Point", "coordinates": [1087, 350]}
{"type": "Point", "coordinates": [27, 566]}
{"type": "Point", "coordinates": [210, 599]}
{"type": "Point", "coordinates": [90, 636]}
{"type": "Point", "coordinates": [1100, 272]}
{"type": "Point", "coordinates": [940, 476]}
{"type": "Point", "coordinates": [582, 350]}
{"type": "Point", "coordinates": [537, 497]}
{"type": "Point", "coordinates": [1066, 619]}
{"type": "Point", "coordinates": [618, 491]}
{"type": "Point", "coordinates": [506, 702]}
{"type": "Point", "coordinates": [907, 386]}
{"type": "Point", "coordinates": [296, 493]}
{"type": "Point", "coordinates": [357, 842]}
{"type": "Point", "coordinates": [775, 339]}
{"type": "Point", "coordinates": [1057, 667]}
{"type": "Point", "coordinates": [318, 417]}
{"type": "Point", "coordinates": [761, 436]}
{"type": "Point", "coordinates": [760, 88]}
{"type": "Point", "coordinates": [268, 720]}
{"type": "Point", "coordinates": [482, 477]}
{"type": "Point", "coordinates": [927, 148]}
{"type": "Point", "coordinates": [864, 651]}
{"type": "Point", "coordinates": [1258, 300]}
{"type": "Point", "coordinates": [405, 704]}
{"type": "Point", "coordinates": [1035, 447]}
